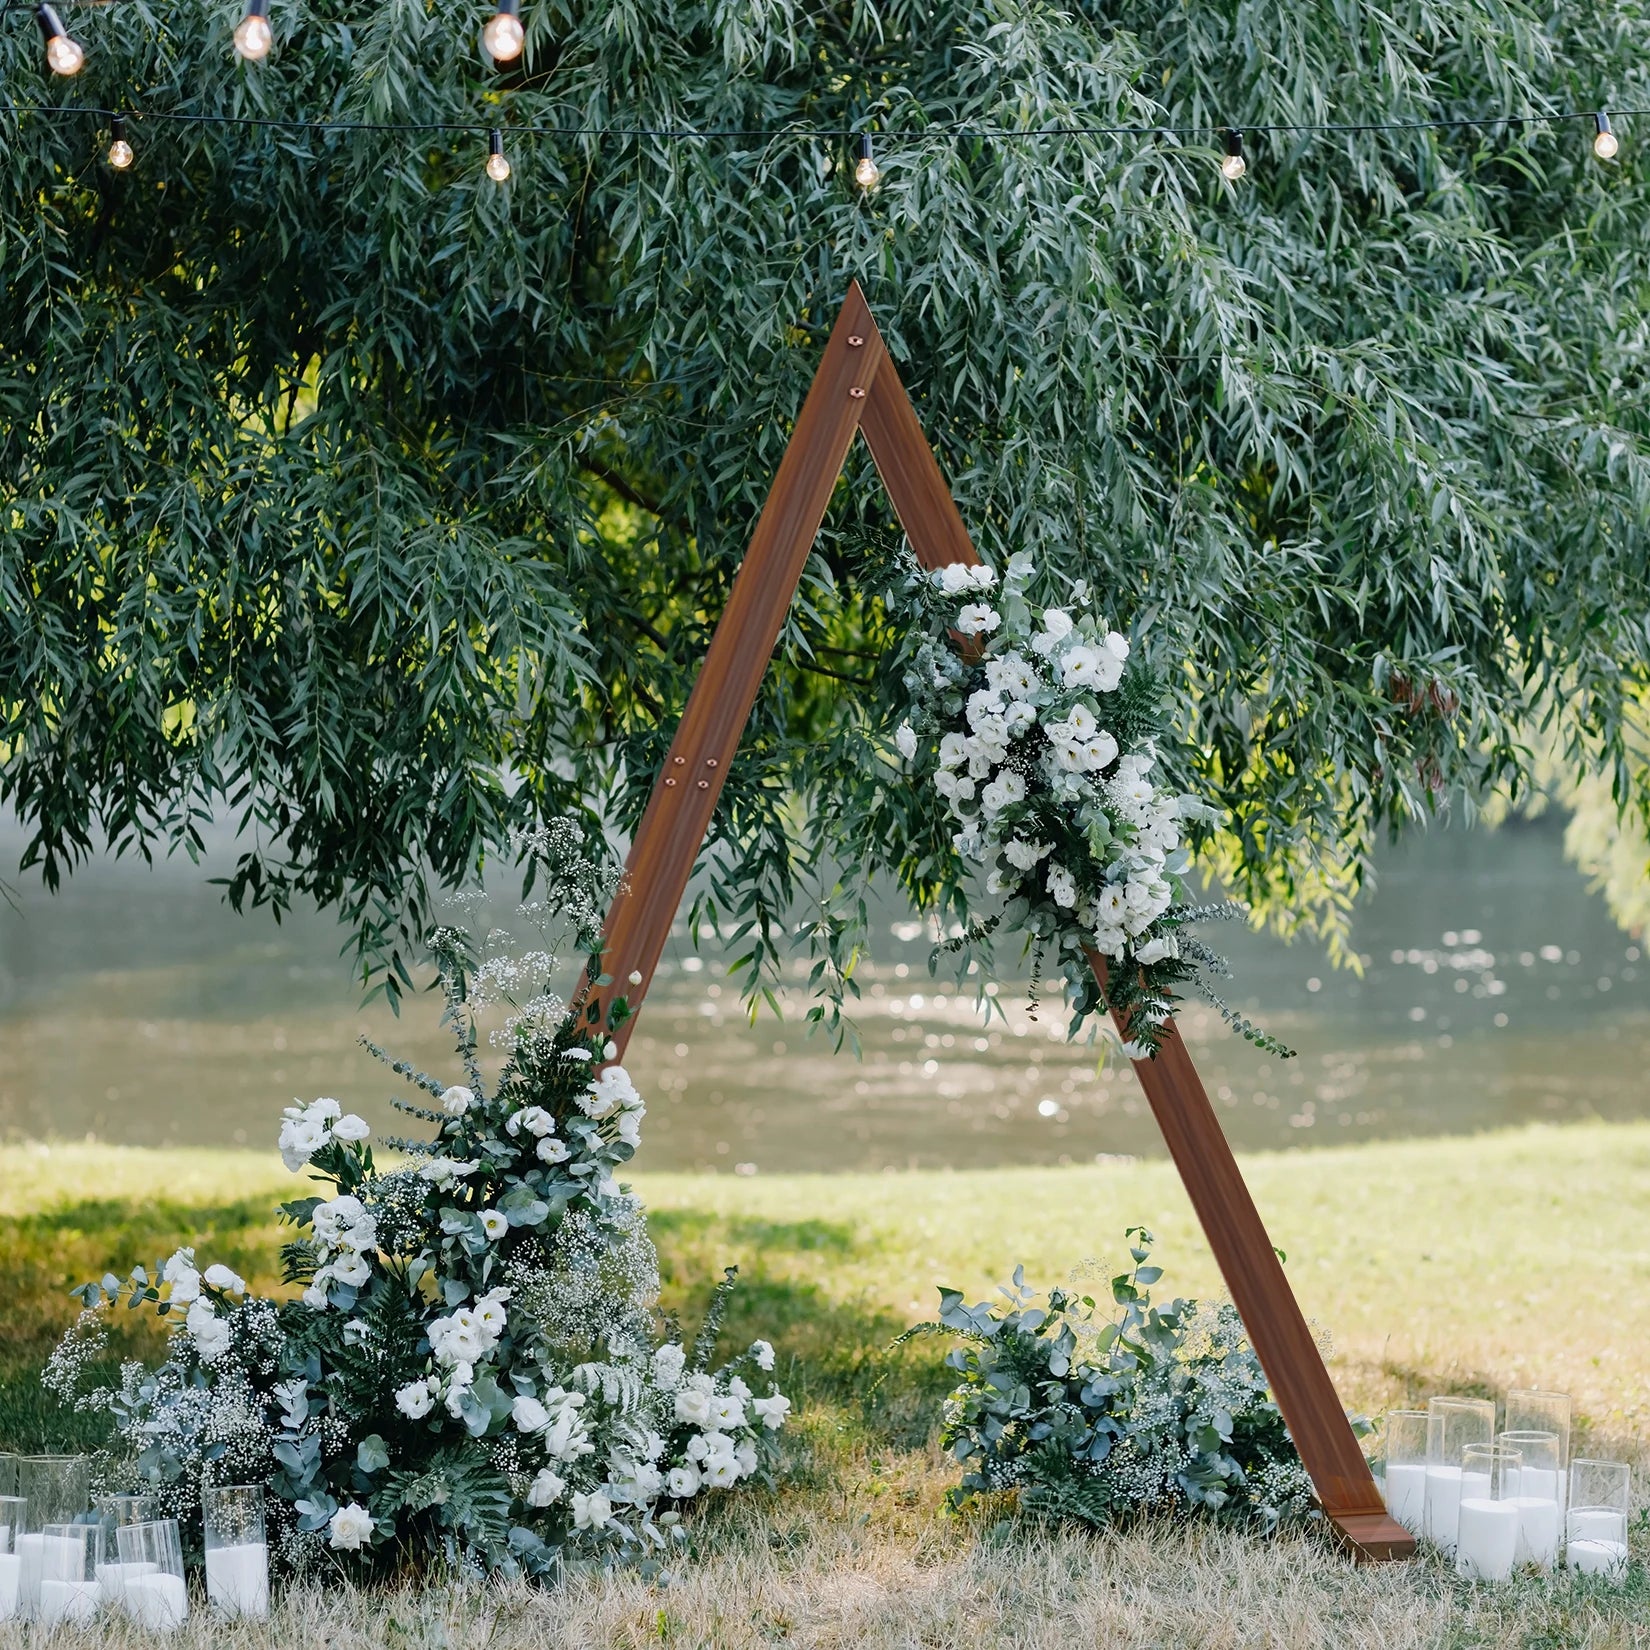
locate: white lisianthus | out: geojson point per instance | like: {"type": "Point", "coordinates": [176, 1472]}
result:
{"type": "Point", "coordinates": [1024, 855]}
{"type": "Point", "coordinates": [415, 1400]}
{"type": "Point", "coordinates": [351, 1128]}
{"type": "Point", "coordinates": [612, 1090]}
{"type": "Point", "coordinates": [1019, 718]}
{"type": "Point", "coordinates": [723, 1472]}
{"type": "Point", "coordinates": [529, 1414]}
{"type": "Point", "coordinates": [953, 750]}
{"type": "Point", "coordinates": [771, 1411]}
{"type": "Point", "coordinates": [977, 619]}
{"type": "Point", "coordinates": [535, 1119]}
{"type": "Point", "coordinates": [352, 1268]}
{"type": "Point", "coordinates": [350, 1528]}
{"type": "Point", "coordinates": [495, 1223]}
{"type": "Point", "coordinates": [301, 1137]}
{"type": "Point", "coordinates": [1003, 792]}
{"type": "Point", "coordinates": [905, 740]}
{"type": "Point", "coordinates": [668, 1363]}
{"type": "Point", "coordinates": [325, 1111]}
{"type": "Point", "coordinates": [1056, 627]}
{"type": "Point", "coordinates": [546, 1488]}
{"type": "Point", "coordinates": [682, 1482]}
{"type": "Point", "coordinates": [1117, 646]}
{"type": "Point", "coordinates": [1158, 950]}
{"type": "Point", "coordinates": [745, 1455]}
{"type": "Point", "coordinates": [457, 1100]}
{"type": "Point", "coordinates": [593, 1511]}
{"type": "Point", "coordinates": [1100, 750]}
{"type": "Point", "coordinates": [443, 1171]}
{"type": "Point", "coordinates": [1136, 1050]}
{"type": "Point", "coordinates": [186, 1286]}
{"type": "Point", "coordinates": [220, 1277]}
{"type": "Point", "coordinates": [630, 1128]}
{"type": "Point", "coordinates": [583, 1053]}
{"type": "Point", "coordinates": [694, 1400]}
{"type": "Point", "coordinates": [551, 1150]}
{"type": "Point", "coordinates": [763, 1354]}
{"type": "Point", "coordinates": [1081, 666]}
{"type": "Point", "coordinates": [983, 705]}
{"type": "Point", "coordinates": [727, 1412]}
{"type": "Point", "coordinates": [954, 578]}
{"type": "Point", "coordinates": [1112, 905]}
{"type": "Point", "coordinates": [1081, 722]}
{"type": "Point", "coordinates": [1062, 886]}
{"type": "Point", "coordinates": [315, 1295]}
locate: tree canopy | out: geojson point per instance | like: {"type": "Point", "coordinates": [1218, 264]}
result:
{"type": "Point", "coordinates": [391, 507]}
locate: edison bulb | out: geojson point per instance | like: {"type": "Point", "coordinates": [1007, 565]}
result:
{"type": "Point", "coordinates": [867, 173]}
{"type": "Point", "coordinates": [498, 168]}
{"type": "Point", "coordinates": [1232, 167]}
{"type": "Point", "coordinates": [503, 37]}
{"type": "Point", "coordinates": [252, 37]}
{"type": "Point", "coordinates": [1605, 145]}
{"type": "Point", "coordinates": [64, 55]}
{"type": "Point", "coordinates": [120, 154]}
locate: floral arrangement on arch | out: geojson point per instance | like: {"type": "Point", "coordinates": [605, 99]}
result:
{"type": "Point", "coordinates": [1038, 730]}
{"type": "Point", "coordinates": [475, 1368]}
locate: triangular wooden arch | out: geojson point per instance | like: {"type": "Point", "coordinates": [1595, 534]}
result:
{"type": "Point", "coordinates": [857, 389]}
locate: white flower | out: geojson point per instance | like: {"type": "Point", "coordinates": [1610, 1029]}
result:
{"type": "Point", "coordinates": [457, 1100]}
{"type": "Point", "coordinates": [1056, 627]}
{"type": "Point", "coordinates": [494, 1223]}
{"type": "Point", "coordinates": [1082, 666]}
{"type": "Point", "coordinates": [1157, 950]}
{"type": "Point", "coordinates": [737, 1387]}
{"type": "Point", "coordinates": [1021, 566]}
{"type": "Point", "coordinates": [1013, 674]}
{"type": "Point", "coordinates": [186, 1286]}
{"type": "Point", "coordinates": [953, 750]}
{"type": "Point", "coordinates": [415, 1400]}
{"type": "Point", "coordinates": [630, 1128]}
{"type": "Point", "coordinates": [551, 1150]}
{"type": "Point", "coordinates": [983, 705]}
{"type": "Point", "coordinates": [490, 1313]}
{"type": "Point", "coordinates": [710, 1446]}
{"type": "Point", "coordinates": [1136, 1051]}
{"type": "Point", "coordinates": [977, 619]}
{"type": "Point", "coordinates": [535, 1119]}
{"type": "Point", "coordinates": [351, 1527]}
{"type": "Point", "coordinates": [953, 578]}
{"type": "Point", "coordinates": [608, 1093]}
{"type": "Point", "coordinates": [1117, 646]}
{"type": "Point", "coordinates": [583, 1053]}
{"type": "Point", "coordinates": [905, 740]}
{"type": "Point", "coordinates": [457, 1338]}
{"type": "Point", "coordinates": [693, 1400]}
{"type": "Point", "coordinates": [315, 1295]}
{"type": "Point", "coordinates": [635, 976]}
{"type": "Point", "coordinates": [593, 1511]}
{"type": "Point", "coordinates": [344, 1223]}
{"type": "Point", "coordinates": [529, 1415]}
{"type": "Point", "coordinates": [301, 1138]}
{"type": "Point", "coordinates": [610, 1050]}
{"type": "Point", "coordinates": [1003, 791]}
{"type": "Point", "coordinates": [637, 1483]}
{"type": "Point", "coordinates": [982, 577]}
{"type": "Point", "coordinates": [763, 1354]}
{"type": "Point", "coordinates": [1071, 755]}
{"type": "Point", "coordinates": [220, 1277]}
{"type": "Point", "coordinates": [1062, 886]}
{"type": "Point", "coordinates": [1019, 718]}
{"type": "Point", "coordinates": [668, 1363]}
{"type": "Point", "coordinates": [351, 1128]}
{"type": "Point", "coordinates": [745, 1455]}
{"type": "Point", "coordinates": [1081, 722]}
{"type": "Point", "coordinates": [682, 1482]}
{"type": "Point", "coordinates": [443, 1171]}
{"type": "Point", "coordinates": [200, 1315]}
{"type": "Point", "coordinates": [183, 1260]}
{"type": "Point", "coordinates": [1022, 856]}
{"type": "Point", "coordinates": [772, 1411]}
{"type": "Point", "coordinates": [1112, 905]}
{"type": "Point", "coordinates": [352, 1269]}
{"type": "Point", "coordinates": [545, 1489]}
{"type": "Point", "coordinates": [727, 1412]}
{"type": "Point", "coordinates": [1110, 942]}
{"type": "Point", "coordinates": [1100, 750]}
{"type": "Point", "coordinates": [722, 1473]}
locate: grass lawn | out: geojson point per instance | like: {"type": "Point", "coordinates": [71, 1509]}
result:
{"type": "Point", "coordinates": [1520, 1258]}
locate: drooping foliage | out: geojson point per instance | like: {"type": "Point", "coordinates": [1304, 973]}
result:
{"type": "Point", "coordinates": [390, 507]}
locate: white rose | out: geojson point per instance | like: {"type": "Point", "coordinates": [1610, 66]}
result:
{"type": "Point", "coordinates": [457, 1100]}
{"type": "Point", "coordinates": [905, 740]}
{"type": "Point", "coordinates": [529, 1415]}
{"type": "Point", "coordinates": [1159, 949]}
{"type": "Point", "coordinates": [745, 1455]}
{"type": "Point", "coordinates": [668, 1363]}
{"type": "Point", "coordinates": [415, 1400]}
{"type": "Point", "coordinates": [220, 1277]}
{"type": "Point", "coordinates": [352, 1269]}
{"type": "Point", "coordinates": [693, 1406]}
{"type": "Point", "coordinates": [351, 1527]}
{"type": "Point", "coordinates": [551, 1150]}
{"type": "Point", "coordinates": [351, 1128]}
{"type": "Point", "coordinates": [682, 1482]}
{"type": "Point", "coordinates": [1003, 791]}
{"type": "Point", "coordinates": [593, 1511]}
{"type": "Point", "coordinates": [978, 620]}
{"type": "Point", "coordinates": [772, 1411]}
{"type": "Point", "coordinates": [494, 1224]}
{"type": "Point", "coordinates": [546, 1489]}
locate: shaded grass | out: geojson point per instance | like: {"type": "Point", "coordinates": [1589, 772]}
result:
{"type": "Point", "coordinates": [1517, 1258]}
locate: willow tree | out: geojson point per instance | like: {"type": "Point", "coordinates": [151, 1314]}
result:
{"type": "Point", "coordinates": [389, 507]}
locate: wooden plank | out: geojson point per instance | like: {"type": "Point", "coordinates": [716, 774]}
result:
{"type": "Point", "coordinates": [686, 791]}
{"type": "Point", "coordinates": [1259, 1289]}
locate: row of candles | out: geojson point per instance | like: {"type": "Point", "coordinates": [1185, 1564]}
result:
{"type": "Point", "coordinates": [62, 1559]}
{"type": "Point", "coordinates": [1497, 1501]}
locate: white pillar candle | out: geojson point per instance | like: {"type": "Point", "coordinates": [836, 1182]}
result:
{"type": "Point", "coordinates": [112, 1578]}
{"type": "Point", "coordinates": [1443, 1506]}
{"type": "Point", "coordinates": [1597, 1558]}
{"type": "Point", "coordinates": [30, 1550]}
{"type": "Point", "coordinates": [1487, 1540]}
{"type": "Point", "coordinates": [67, 1601]}
{"type": "Point", "coordinates": [11, 1585]}
{"type": "Point", "coordinates": [159, 1601]}
{"type": "Point", "coordinates": [1406, 1494]}
{"type": "Point", "coordinates": [1597, 1524]}
{"type": "Point", "coordinates": [237, 1579]}
{"type": "Point", "coordinates": [1537, 1528]}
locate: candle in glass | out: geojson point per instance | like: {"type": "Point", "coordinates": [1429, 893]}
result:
{"type": "Point", "coordinates": [1536, 1495]}
{"type": "Point", "coordinates": [118, 1511]}
{"type": "Point", "coordinates": [1452, 1424]}
{"type": "Point", "coordinates": [58, 1488]}
{"type": "Point", "coordinates": [1529, 1409]}
{"type": "Point", "coordinates": [155, 1595]}
{"type": "Point", "coordinates": [237, 1553]}
{"type": "Point", "coordinates": [1601, 1496]}
{"type": "Point", "coordinates": [13, 1517]}
{"type": "Point", "coordinates": [1487, 1522]}
{"type": "Point", "coordinates": [1405, 1436]}
{"type": "Point", "coordinates": [69, 1557]}
{"type": "Point", "coordinates": [8, 1473]}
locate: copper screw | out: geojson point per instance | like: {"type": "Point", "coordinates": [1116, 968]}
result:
{"type": "Point", "coordinates": [704, 784]}
{"type": "Point", "coordinates": [854, 340]}
{"type": "Point", "coordinates": [857, 393]}
{"type": "Point", "coordinates": [679, 760]}
{"type": "Point", "coordinates": [670, 781]}
{"type": "Point", "coordinates": [710, 761]}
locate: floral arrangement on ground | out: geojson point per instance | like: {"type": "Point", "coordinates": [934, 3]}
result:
{"type": "Point", "coordinates": [1040, 734]}
{"type": "Point", "coordinates": [475, 1369]}
{"type": "Point", "coordinates": [1088, 1416]}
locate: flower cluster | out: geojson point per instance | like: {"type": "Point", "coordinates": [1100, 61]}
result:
{"type": "Point", "coordinates": [1039, 735]}
{"type": "Point", "coordinates": [1159, 1408]}
{"type": "Point", "coordinates": [473, 1363]}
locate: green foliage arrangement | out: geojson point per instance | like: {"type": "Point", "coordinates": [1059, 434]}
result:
{"type": "Point", "coordinates": [1098, 1416]}
{"type": "Point", "coordinates": [390, 509]}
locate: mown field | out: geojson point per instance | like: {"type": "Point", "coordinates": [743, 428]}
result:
{"type": "Point", "coordinates": [1520, 1258]}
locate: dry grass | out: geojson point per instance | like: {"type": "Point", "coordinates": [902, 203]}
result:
{"type": "Point", "coordinates": [1514, 1258]}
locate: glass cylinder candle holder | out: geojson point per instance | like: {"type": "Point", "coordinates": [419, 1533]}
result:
{"type": "Point", "coordinates": [69, 1590]}
{"type": "Point", "coordinates": [1487, 1523]}
{"type": "Point", "coordinates": [155, 1595]}
{"type": "Point", "coordinates": [237, 1552]}
{"type": "Point", "coordinates": [1530, 1409]}
{"type": "Point", "coordinates": [13, 1522]}
{"type": "Point", "coordinates": [1601, 1497]}
{"type": "Point", "coordinates": [8, 1473]}
{"type": "Point", "coordinates": [1452, 1424]}
{"type": "Point", "coordinates": [1537, 1495]}
{"type": "Point", "coordinates": [1404, 1434]}
{"type": "Point", "coordinates": [58, 1488]}
{"type": "Point", "coordinates": [117, 1511]}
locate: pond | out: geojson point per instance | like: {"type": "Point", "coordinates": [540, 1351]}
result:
{"type": "Point", "coordinates": [136, 1008]}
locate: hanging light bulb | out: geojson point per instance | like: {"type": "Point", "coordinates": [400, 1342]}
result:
{"type": "Point", "coordinates": [1233, 166]}
{"type": "Point", "coordinates": [1604, 140]}
{"type": "Point", "coordinates": [63, 55]}
{"type": "Point", "coordinates": [120, 151]}
{"type": "Point", "coordinates": [252, 36]}
{"type": "Point", "coordinates": [504, 36]}
{"type": "Point", "coordinates": [498, 167]}
{"type": "Point", "coordinates": [867, 174]}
